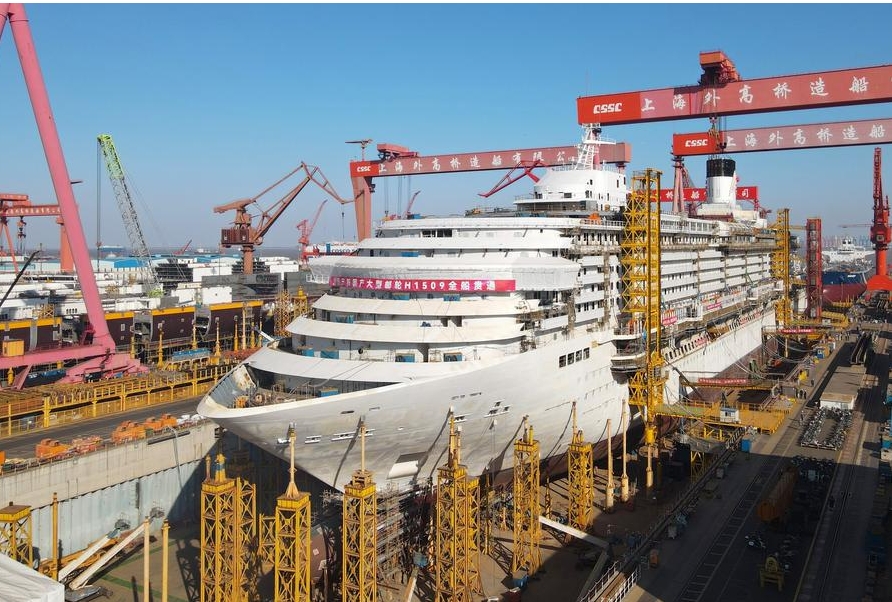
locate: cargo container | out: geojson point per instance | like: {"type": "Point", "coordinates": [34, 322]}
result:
{"type": "Point", "coordinates": [774, 506]}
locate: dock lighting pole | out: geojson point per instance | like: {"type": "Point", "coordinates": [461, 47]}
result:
{"type": "Point", "coordinates": [624, 481]}
{"type": "Point", "coordinates": [608, 502]}
{"type": "Point", "coordinates": [165, 528]}
{"type": "Point", "coordinates": [55, 571]}
{"type": "Point", "coordinates": [146, 591]}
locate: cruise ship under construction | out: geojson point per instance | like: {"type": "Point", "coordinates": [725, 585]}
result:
{"type": "Point", "coordinates": [452, 365]}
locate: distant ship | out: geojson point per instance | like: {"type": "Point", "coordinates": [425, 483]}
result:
{"type": "Point", "coordinates": [846, 252]}
{"type": "Point", "coordinates": [844, 285]}
{"type": "Point", "coordinates": [499, 317]}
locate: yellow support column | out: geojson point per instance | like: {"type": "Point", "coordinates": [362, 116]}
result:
{"type": "Point", "coordinates": [580, 479]}
{"type": "Point", "coordinates": [218, 560]}
{"type": "Point", "coordinates": [360, 539]}
{"type": "Point", "coordinates": [15, 533]}
{"type": "Point", "coordinates": [611, 485]}
{"type": "Point", "coordinates": [456, 551]}
{"type": "Point", "coordinates": [292, 565]}
{"type": "Point", "coordinates": [527, 530]}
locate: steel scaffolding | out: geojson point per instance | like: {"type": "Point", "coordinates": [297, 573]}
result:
{"type": "Point", "coordinates": [780, 267]}
{"type": "Point", "coordinates": [360, 540]}
{"type": "Point", "coordinates": [456, 552]}
{"type": "Point", "coordinates": [580, 478]}
{"type": "Point", "coordinates": [640, 249]}
{"type": "Point", "coordinates": [292, 564]}
{"type": "Point", "coordinates": [527, 530]}
{"type": "Point", "coordinates": [15, 533]}
{"type": "Point", "coordinates": [218, 526]}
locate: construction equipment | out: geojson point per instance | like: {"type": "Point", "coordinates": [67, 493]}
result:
{"type": "Point", "coordinates": [880, 231]}
{"type": "Point", "coordinates": [244, 234]}
{"type": "Point", "coordinates": [408, 213]}
{"type": "Point", "coordinates": [305, 228]}
{"type": "Point", "coordinates": [398, 161]}
{"type": "Point", "coordinates": [128, 211]}
{"type": "Point", "coordinates": [182, 250]}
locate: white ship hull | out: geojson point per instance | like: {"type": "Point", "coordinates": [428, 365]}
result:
{"type": "Point", "coordinates": [408, 423]}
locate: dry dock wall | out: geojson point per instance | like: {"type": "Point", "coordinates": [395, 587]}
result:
{"type": "Point", "coordinates": [125, 482]}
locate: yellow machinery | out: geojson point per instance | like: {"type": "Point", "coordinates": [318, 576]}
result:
{"type": "Point", "coordinates": [292, 555]}
{"type": "Point", "coordinates": [360, 540]}
{"type": "Point", "coordinates": [640, 247]}
{"type": "Point", "coordinates": [771, 572]}
{"type": "Point", "coordinates": [580, 479]}
{"type": "Point", "coordinates": [780, 267]}
{"type": "Point", "coordinates": [527, 530]}
{"type": "Point", "coordinates": [457, 554]}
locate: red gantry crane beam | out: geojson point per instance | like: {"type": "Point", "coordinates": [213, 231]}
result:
{"type": "Point", "coordinates": [398, 161]}
{"type": "Point", "coordinates": [788, 137]}
{"type": "Point", "coordinates": [861, 85]}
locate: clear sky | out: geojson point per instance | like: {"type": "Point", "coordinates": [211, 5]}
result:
{"type": "Point", "coordinates": [208, 103]}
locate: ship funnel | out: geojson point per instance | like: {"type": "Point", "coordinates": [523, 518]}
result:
{"type": "Point", "coordinates": [721, 182]}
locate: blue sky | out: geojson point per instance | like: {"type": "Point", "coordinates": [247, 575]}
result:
{"type": "Point", "coordinates": [208, 103]}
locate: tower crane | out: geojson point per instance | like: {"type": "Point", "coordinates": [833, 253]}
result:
{"type": "Point", "coordinates": [243, 233]}
{"type": "Point", "coordinates": [306, 229]}
{"type": "Point", "coordinates": [128, 211]}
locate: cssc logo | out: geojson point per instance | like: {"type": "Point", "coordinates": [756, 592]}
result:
{"type": "Point", "coordinates": [694, 143]}
{"type": "Point", "coordinates": [364, 169]}
{"type": "Point", "coordinates": [610, 107]}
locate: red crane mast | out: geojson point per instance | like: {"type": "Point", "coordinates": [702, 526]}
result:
{"type": "Point", "coordinates": [880, 231]}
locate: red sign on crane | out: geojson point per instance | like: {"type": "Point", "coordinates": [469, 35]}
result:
{"type": "Point", "coordinates": [811, 135]}
{"type": "Point", "coordinates": [411, 163]}
{"type": "Point", "coordinates": [780, 93]}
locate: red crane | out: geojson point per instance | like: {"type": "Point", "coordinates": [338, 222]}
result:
{"type": "Point", "coordinates": [411, 202]}
{"type": "Point", "coordinates": [306, 229]}
{"type": "Point", "coordinates": [244, 234]}
{"type": "Point", "coordinates": [399, 161]}
{"type": "Point", "coordinates": [97, 356]}
{"type": "Point", "coordinates": [879, 231]}
{"type": "Point", "coordinates": [721, 92]}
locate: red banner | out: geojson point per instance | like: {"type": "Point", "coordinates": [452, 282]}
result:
{"type": "Point", "coordinates": [432, 285]}
{"type": "Point", "coordinates": [744, 193]}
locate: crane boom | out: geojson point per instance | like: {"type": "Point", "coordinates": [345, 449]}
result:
{"type": "Point", "coordinates": [128, 211]}
{"type": "Point", "coordinates": [243, 233]}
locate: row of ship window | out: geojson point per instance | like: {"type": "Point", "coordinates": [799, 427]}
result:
{"type": "Point", "coordinates": [570, 358]}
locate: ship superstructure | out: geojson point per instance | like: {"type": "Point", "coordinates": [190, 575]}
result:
{"type": "Point", "coordinates": [495, 316]}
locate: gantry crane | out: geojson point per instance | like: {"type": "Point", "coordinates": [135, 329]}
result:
{"type": "Point", "coordinates": [305, 228]}
{"type": "Point", "coordinates": [396, 160]}
{"type": "Point", "coordinates": [128, 211]}
{"type": "Point", "coordinates": [245, 235]}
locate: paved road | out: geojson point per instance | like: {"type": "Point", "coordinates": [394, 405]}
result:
{"type": "Point", "coordinates": [22, 446]}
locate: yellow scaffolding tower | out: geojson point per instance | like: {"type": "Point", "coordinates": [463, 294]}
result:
{"type": "Point", "coordinates": [780, 267]}
{"type": "Point", "coordinates": [288, 308]}
{"type": "Point", "coordinates": [641, 260]}
{"type": "Point", "coordinates": [527, 530]}
{"type": "Point", "coordinates": [456, 552]}
{"type": "Point", "coordinates": [246, 537]}
{"type": "Point", "coordinates": [218, 526]}
{"type": "Point", "coordinates": [15, 533]}
{"type": "Point", "coordinates": [580, 479]}
{"type": "Point", "coordinates": [292, 540]}
{"type": "Point", "coordinates": [360, 540]}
